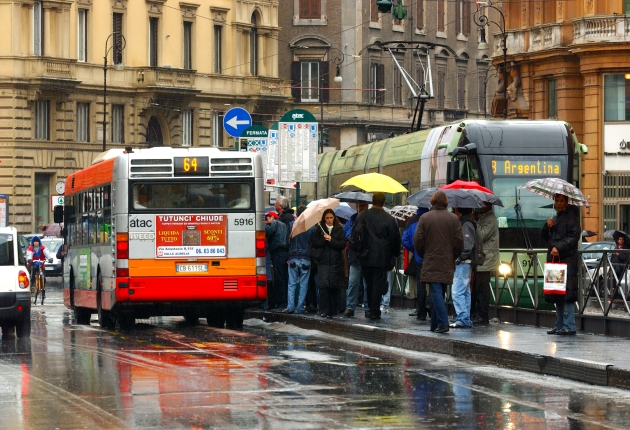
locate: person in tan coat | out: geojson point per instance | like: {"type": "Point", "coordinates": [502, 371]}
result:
{"type": "Point", "coordinates": [439, 241]}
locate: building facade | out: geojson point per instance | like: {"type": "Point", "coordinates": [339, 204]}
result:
{"type": "Point", "coordinates": [570, 61]}
{"type": "Point", "coordinates": [323, 39]}
{"type": "Point", "coordinates": [173, 69]}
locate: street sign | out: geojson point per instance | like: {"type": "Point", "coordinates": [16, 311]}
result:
{"type": "Point", "coordinates": [297, 147]}
{"type": "Point", "coordinates": [4, 210]}
{"type": "Point", "coordinates": [55, 201]}
{"type": "Point", "coordinates": [236, 121]}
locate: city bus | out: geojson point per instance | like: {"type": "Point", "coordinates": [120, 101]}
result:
{"type": "Point", "coordinates": [165, 231]}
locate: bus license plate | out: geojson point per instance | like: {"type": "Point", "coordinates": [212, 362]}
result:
{"type": "Point", "coordinates": [187, 268]}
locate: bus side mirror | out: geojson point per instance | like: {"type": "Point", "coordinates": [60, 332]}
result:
{"type": "Point", "coordinates": [452, 171]}
{"type": "Point", "coordinates": [58, 214]}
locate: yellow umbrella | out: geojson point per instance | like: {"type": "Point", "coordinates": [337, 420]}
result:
{"type": "Point", "coordinates": [312, 215]}
{"type": "Point", "coordinates": [376, 182]}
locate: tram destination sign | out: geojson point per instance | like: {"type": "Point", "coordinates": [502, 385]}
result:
{"type": "Point", "coordinates": [516, 166]}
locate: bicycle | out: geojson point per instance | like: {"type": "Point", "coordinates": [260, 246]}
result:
{"type": "Point", "coordinates": [39, 283]}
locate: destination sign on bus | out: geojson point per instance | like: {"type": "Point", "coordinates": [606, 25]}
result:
{"type": "Point", "coordinates": [525, 167]}
{"type": "Point", "coordinates": [186, 236]}
{"type": "Point", "coordinates": [191, 166]}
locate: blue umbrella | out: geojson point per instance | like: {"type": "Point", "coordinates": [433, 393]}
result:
{"type": "Point", "coordinates": [343, 211]}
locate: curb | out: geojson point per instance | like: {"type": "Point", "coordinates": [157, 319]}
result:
{"type": "Point", "coordinates": [590, 372]}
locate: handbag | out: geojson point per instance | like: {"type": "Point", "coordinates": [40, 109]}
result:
{"type": "Point", "coordinates": [555, 278]}
{"type": "Point", "coordinates": [412, 266]}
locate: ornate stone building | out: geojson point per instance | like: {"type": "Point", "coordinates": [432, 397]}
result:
{"type": "Point", "coordinates": [185, 64]}
{"type": "Point", "coordinates": [572, 62]}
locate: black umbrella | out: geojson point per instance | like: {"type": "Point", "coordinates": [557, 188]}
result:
{"type": "Point", "coordinates": [615, 235]}
{"type": "Point", "coordinates": [588, 233]}
{"type": "Point", "coordinates": [457, 198]}
{"type": "Point", "coordinates": [354, 196]}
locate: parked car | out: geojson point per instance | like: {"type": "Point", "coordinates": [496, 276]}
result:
{"type": "Point", "coordinates": [595, 252]}
{"type": "Point", "coordinates": [15, 294]}
{"type": "Point", "coordinates": [52, 244]}
{"type": "Point", "coordinates": [592, 259]}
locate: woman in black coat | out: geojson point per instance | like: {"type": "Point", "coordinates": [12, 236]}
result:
{"type": "Point", "coordinates": [562, 234]}
{"type": "Point", "coordinates": [328, 243]}
{"type": "Point", "coordinates": [618, 259]}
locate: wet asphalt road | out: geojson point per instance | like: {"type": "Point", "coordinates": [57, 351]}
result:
{"type": "Point", "coordinates": [165, 374]}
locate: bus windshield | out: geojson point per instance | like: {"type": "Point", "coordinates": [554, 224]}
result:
{"type": "Point", "coordinates": [536, 209]}
{"type": "Point", "coordinates": [152, 196]}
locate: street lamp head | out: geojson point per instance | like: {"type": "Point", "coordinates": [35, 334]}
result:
{"type": "Point", "coordinates": [483, 45]}
{"type": "Point", "coordinates": [338, 77]}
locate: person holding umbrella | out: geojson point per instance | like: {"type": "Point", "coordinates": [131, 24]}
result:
{"type": "Point", "coordinates": [328, 242]}
{"type": "Point", "coordinates": [562, 233]}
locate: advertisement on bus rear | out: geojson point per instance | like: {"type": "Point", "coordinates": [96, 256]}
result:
{"type": "Point", "coordinates": [191, 236]}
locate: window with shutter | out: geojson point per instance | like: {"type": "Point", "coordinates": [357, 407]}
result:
{"type": "Point", "coordinates": [153, 41]}
{"type": "Point", "coordinates": [117, 28]}
{"type": "Point", "coordinates": [83, 122]}
{"type": "Point", "coordinates": [218, 48]}
{"type": "Point", "coordinates": [440, 15]}
{"type": "Point", "coordinates": [118, 123]}
{"type": "Point", "coordinates": [397, 87]}
{"type": "Point", "coordinates": [310, 9]}
{"type": "Point", "coordinates": [380, 83]}
{"type": "Point", "coordinates": [440, 88]}
{"type": "Point", "coordinates": [38, 29]}
{"type": "Point", "coordinates": [419, 14]}
{"type": "Point", "coordinates": [461, 91]}
{"type": "Point", "coordinates": [296, 81]}
{"type": "Point", "coordinates": [253, 47]}
{"type": "Point", "coordinates": [482, 92]}
{"type": "Point", "coordinates": [373, 11]}
{"type": "Point", "coordinates": [552, 98]}
{"type": "Point", "coordinates": [309, 81]}
{"type": "Point", "coordinates": [217, 130]}
{"type": "Point", "coordinates": [626, 7]}
{"type": "Point", "coordinates": [324, 81]}
{"type": "Point", "coordinates": [187, 127]}
{"type": "Point", "coordinates": [187, 45]}
{"type": "Point", "coordinates": [467, 16]}
{"type": "Point", "coordinates": [82, 35]}
{"type": "Point", "coordinates": [42, 118]}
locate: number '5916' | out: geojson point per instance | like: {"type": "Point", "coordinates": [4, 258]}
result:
{"type": "Point", "coordinates": [244, 221]}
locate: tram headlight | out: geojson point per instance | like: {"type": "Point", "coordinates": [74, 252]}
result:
{"type": "Point", "coordinates": [505, 269]}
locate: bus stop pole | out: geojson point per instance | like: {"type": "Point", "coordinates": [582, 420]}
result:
{"type": "Point", "coordinates": [297, 195]}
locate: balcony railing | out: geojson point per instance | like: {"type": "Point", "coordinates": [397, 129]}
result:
{"type": "Point", "coordinates": [545, 37]}
{"type": "Point", "coordinates": [166, 78]}
{"type": "Point", "coordinates": [601, 29]}
{"type": "Point", "coordinates": [55, 68]}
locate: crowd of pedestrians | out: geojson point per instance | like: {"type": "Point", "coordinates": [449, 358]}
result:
{"type": "Point", "coordinates": [321, 270]}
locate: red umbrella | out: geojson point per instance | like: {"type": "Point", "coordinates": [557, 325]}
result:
{"type": "Point", "coordinates": [53, 230]}
{"type": "Point", "coordinates": [468, 185]}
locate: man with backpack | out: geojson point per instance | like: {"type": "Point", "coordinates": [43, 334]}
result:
{"type": "Point", "coordinates": [377, 246]}
{"type": "Point", "coordinates": [463, 269]}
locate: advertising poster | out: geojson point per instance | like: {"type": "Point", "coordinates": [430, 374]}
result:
{"type": "Point", "coordinates": [186, 236]}
{"type": "Point", "coordinates": [84, 268]}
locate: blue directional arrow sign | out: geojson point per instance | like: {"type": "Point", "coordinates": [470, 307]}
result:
{"type": "Point", "coordinates": [236, 121]}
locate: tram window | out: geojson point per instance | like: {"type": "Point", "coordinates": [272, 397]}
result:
{"type": "Point", "coordinates": [469, 169]}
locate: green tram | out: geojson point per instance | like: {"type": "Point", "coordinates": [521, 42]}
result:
{"type": "Point", "coordinates": [500, 155]}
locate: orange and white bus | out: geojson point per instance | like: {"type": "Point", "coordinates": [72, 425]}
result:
{"type": "Point", "coordinates": [165, 231]}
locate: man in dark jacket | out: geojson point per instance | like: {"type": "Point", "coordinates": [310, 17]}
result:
{"type": "Point", "coordinates": [355, 277]}
{"type": "Point", "coordinates": [439, 241]}
{"type": "Point", "coordinates": [276, 233]}
{"type": "Point", "coordinates": [463, 269]}
{"type": "Point", "coordinates": [384, 246]}
{"type": "Point", "coordinates": [562, 234]}
{"type": "Point", "coordinates": [285, 213]}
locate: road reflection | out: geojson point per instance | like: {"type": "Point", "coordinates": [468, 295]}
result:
{"type": "Point", "coordinates": [170, 375]}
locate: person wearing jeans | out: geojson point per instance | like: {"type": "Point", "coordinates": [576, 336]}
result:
{"type": "Point", "coordinates": [299, 269]}
{"type": "Point", "coordinates": [355, 276]}
{"type": "Point", "coordinates": [463, 269]}
{"type": "Point", "coordinates": [439, 318]}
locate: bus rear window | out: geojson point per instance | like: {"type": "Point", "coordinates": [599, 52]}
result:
{"type": "Point", "coordinates": [6, 250]}
{"type": "Point", "coordinates": [164, 196]}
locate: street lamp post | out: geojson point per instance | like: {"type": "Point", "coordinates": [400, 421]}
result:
{"type": "Point", "coordinates": [338, 79]}
{"type": "Point", "coordinates": [120, 43]}
{"type": "Point", "coordinates": [481, 19]}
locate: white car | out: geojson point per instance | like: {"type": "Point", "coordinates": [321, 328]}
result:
{"type": "Point", "coordinates": [15, 294]}
{"type": "Point", "coordinates": [53, 244]}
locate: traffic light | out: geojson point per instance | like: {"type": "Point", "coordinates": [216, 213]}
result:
{"type": "Point", "coordinates": [325, 137]}
{"type": "Point", "coordinates": [385, 6]}
{"type": "Point", "coordinates": [400, 11]}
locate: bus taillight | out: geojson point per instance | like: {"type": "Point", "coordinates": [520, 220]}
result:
{"type": "Point", "coordinates": [122, 272]}
{"type": "Point", "coordinates": [122, 246]}
{"type": "Point", "coordinates": [260, 244]}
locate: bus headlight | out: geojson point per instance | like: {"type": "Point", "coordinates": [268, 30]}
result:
{"type": "Point", "coordinates": [505, 269]}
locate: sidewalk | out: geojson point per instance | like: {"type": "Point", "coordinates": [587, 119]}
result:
{"type": "Point", "coordinates": [595, 359]}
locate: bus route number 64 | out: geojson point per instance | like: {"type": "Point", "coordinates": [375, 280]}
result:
{"type": "Point", "coordinates": [243, 221]}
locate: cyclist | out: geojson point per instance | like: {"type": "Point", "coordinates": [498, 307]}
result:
{"type": "Point", "coordinates": [37, 252]}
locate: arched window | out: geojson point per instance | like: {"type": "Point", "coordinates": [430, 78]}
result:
{"type": "Point", "coordinates": [154, 133]}
{"type": "Point", "coordinates": [253, 47]}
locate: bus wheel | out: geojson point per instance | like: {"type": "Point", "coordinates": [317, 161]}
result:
{"type": "Point", "coordinates": [191, 318]}
{"type": "Point", "coordinates": [8, 331]}
{"type": "Point", "coordinates": [234, 318]}
{"type": "Point", "coordinates": [215, 318]}
{"type": "Point", "coordinates": [104, 317]}
{"type": "Point", "coordinates": [125, 321]}
{"type": "Point", "coordinates": [82, 316]}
